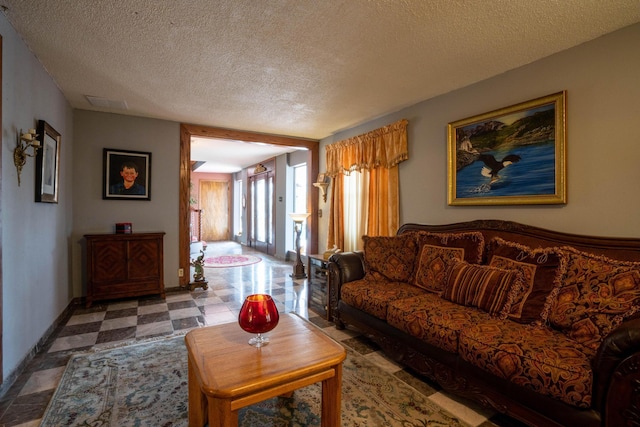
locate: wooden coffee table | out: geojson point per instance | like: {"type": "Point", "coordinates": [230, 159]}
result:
{"type": "Point", "coordinates": [226, 373]}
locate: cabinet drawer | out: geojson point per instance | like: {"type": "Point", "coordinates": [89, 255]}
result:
{"type": "Point", "coordinates": [124, 288]}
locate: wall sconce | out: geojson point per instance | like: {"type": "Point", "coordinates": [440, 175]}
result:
{"type": "Point", "coordinates": [323, 189]}
{"type": "Point", "coordinates": [25, 140]}
{"type": "Point", "coordinates": [298, 267]}
{"type": "Point", "coordinates": [322, 184]}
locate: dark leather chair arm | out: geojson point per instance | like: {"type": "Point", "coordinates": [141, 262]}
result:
{"type": "Point", "coordinates": [619, 346]}
{"type": "Point", "coordinates": [350, 266]}
{"type": "Point", "coordinates": [343, 267]}
{"type": "Point", "coordinates": [346, 267]}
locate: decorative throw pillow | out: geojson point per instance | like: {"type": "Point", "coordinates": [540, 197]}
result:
{"type": "Point", "coordinates": [443, 248]}
{"type": "Point", "coordinates": [392, 257]}
{"type": "Point", "coordinates": [541, 271]}
{"type": "Point", "coordinates": [488, 288]}
{"type": "Point", "coordinates": [432, 265]}
{"type": "Point", "coordinates": [472, 242]}
{"type": "Point", "coordinates": [596, 294]}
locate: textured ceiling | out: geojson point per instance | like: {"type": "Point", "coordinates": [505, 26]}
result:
{"type": "Point", "coordinates": [302, 68]}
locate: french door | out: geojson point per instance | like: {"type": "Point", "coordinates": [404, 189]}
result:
{"type": "Point", "coordinates": [262, 233]}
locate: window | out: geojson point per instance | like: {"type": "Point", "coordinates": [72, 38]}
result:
{"type": "Point", "coordinates": [376, 156]}
{"type": "Point", "coordinates": [300, 202]}
{"type": "Point", "coordinates": [300, 188]}
{"type": "Point", "coordinates": [238, 206]}
{"type": "Point", "coordinates": [356, 190]}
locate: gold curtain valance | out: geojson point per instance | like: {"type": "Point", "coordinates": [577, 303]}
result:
{"type": "Point", "coordinates": [383, 147]}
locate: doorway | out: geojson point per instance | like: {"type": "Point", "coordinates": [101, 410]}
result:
{"type": "Point", "coordinates": [187, 131]}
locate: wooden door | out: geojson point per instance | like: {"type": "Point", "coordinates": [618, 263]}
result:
{"type": "Point", "coordinates": [216, 218]}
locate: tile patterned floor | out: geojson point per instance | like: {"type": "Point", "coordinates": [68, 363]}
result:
{"type": "Point", "coordinates": [116, 322]}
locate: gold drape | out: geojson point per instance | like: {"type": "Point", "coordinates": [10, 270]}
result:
{"type": "Point", "coordinates": [336, 215]}
{"type": "Point", "coordinates": [384, 147]}
{"type": "Point", "coordinates": [378, 151]}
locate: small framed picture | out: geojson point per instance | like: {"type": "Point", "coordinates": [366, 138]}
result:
{"type": "Point", "coordinates": [126, 175]}
{"type": "Point", "coordinates": [322, 178]}
{"type": "Point", "coordinates": [47, 164]}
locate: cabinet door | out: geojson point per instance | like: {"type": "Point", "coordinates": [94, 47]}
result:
{"type": "Point", "coordinates": [109, 261]}
{"type": "Point", "coordinates": [144, 259]}
{"type": "Point", "coordinates": [317, 285]}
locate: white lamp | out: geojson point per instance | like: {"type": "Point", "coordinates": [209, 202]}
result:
{"type": "Point", "coordinates": [298, 267]}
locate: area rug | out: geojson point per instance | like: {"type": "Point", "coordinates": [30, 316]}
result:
{"type": "Point", "coordinates": [146, 385]}
{"type": "Point", "coordinates": [231, 261]}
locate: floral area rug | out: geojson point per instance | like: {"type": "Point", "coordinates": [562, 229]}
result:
{"type": "Point", "coordinates": [231, 261]}
{"type": "Point", "coordinates": [146, 385]}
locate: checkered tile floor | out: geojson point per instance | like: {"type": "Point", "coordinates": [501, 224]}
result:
{"type": "Point", "coordinates": [116, 322]}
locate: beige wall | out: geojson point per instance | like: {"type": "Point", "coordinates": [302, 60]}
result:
{"type": "Point", "coordinates": [602, 80]}
{"type": "Point", "coordinates": [95, 131]}
{"type": "Point", "coordinates": [35, 236]}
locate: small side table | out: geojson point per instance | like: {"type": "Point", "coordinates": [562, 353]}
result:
{"type": "Point", "coordinates": [226, 373]}
{"type": "Point", "coordinates": [319, 285]}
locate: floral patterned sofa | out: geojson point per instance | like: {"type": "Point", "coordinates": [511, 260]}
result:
{"type": "Point", "coordinates": [537, 324]}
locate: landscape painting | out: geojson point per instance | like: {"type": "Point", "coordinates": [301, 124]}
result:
{"type": "Point", "coordinates": [515, 155]}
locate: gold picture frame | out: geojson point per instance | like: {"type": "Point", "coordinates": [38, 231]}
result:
{"type": "Point", "coordinates": [511, 156]}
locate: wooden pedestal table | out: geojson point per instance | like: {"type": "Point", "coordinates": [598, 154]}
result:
{"type": "Point", "coordinates": [226, 373]}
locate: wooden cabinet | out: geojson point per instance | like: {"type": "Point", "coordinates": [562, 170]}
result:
{"type": "Point", "coordinates": [319, 286]}
{"type": "Point", "coordinates": [124, 265]}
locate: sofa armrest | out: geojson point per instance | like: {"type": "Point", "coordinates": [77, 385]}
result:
{"type": "Point", "coordinates": [616, 372]}
{"type": "Point", "coordinates": [345, 267]}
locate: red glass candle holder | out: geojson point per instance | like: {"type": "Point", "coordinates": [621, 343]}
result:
{"type": "Point", "coordinates": [258, 315]}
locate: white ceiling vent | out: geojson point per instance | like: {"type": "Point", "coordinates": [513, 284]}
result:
{"type": "Point", "coordinates": [100, 102]}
